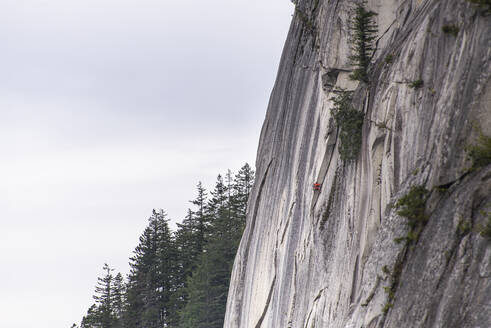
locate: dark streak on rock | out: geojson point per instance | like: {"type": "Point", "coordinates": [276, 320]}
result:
{"type": "Point", "coordinates": [271, 289]}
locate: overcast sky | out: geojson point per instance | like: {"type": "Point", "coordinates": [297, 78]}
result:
{"type": "Point", "coordinates": [110, 108]}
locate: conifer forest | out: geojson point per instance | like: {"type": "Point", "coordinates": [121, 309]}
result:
{"type": "Point", "coordinates": [178, 279]}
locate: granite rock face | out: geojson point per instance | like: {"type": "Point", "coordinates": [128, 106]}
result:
{"type": "Point", "coordinates": [328, 258]}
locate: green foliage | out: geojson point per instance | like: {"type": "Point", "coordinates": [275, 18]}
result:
{"type": "Point", "coordinates": [304, 18]}
{"type": "Point", "coordinates": [387, 307]}
{"type": "Point", "coordinates": [484, 5]}
{"type": "Point", "coordinates": [399, 240]}
{"type": "Point", "coordinates": [464, 226]}
{"type": "Point", "coordinates": [151, 280]}
{"type": "Point", "coordinates": [208, 286]}
{"type": "Point", "coordinates": [412, 206]}
{"type": "Point", "coordinates": [350, 123]}
{"type": "Point", "coordinates": [441, 189]}
{"type": "Point", "coordinates": [480, 152]}
{"type": "Point", "coordinates": [412, 235]}
{"type": "Point", "coordinates": [485, 230]}
{"type": "Point", "coordinates": [103, 297]}
{"type": "Point", "coordinates": [179, 279]}
{"type": "Point", "coordinates": [451, 29]}
{"type": "Point", "coordinates": [107, 310]}
{"type": "Point", "coordinates": [389, 59]}
{"type": "Point", "coordinates": [363, 32]}
{"type": "Point", "coordinates": [92, 318]}
{"type": "Point", "coordinates": [392, 288]}
{"type": "Point", "coordinates": [416, 84]}
{"type": "Point", "coordinates": [390, 292]}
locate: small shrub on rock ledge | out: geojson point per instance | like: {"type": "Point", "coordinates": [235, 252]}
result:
{"type": "Point", "coordinates": [389, 59]}
{"type": "Point", "coordinates": [350, 123]}
{"type": "Point", "coordinates": [485, 229]}
{"type": "Point", "coordinates": [416, 84]}
{"type": "Point", "coordinates": [480, 152]}
{"type": "Point", "coordinates": [450, 29]}
{"type": "Point", "coordinates": [412, 206]}
{"type": "Point", "coordinates": [484, 5]}
{"type": "Point", "coordinates": [464, 226]}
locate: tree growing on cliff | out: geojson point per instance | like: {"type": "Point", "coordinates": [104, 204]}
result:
{"type": "Point", "coordinates": [363, 32]}
{"type": "Point", "coordinates": [350, 123]}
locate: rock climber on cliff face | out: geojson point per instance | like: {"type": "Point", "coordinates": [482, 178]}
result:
{"type": "Point", "coordinates": [317, 186]}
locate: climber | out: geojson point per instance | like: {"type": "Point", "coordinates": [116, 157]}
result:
{"type": "Point", "coordinates": [317, 186]}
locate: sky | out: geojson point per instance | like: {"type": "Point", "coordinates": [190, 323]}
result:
{"type": "Point", "coordinates": [108, 109]}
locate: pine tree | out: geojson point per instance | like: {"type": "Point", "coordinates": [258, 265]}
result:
{"type": "Point", "coordinates": [134, 306]}
{"type": "Point", "coordinates": [118, 300]}
{"type": "Point", "coordinates": [186, 259]}
{"type": "Point", "coordinates": [200, 219]}
{"type": "Point", "coordinates": [137, 289]}
{"type": "Point", "coordinates": [167, 273]}
{"type": "Point", "coordinates": [208, 286]}
{"type": "Point", "coordinates": [104, 313]}
{"type": "Point", "coordinates": [103, 297]}
{"type": "Point", "coordinates": [217, 201]}
{"type": "Point", "coordinates": [243, 182]}
{"type": "Point", "coordinates": [91, 319]}
{"type": "Point", "coordinates": [191, 236]}
{"type": "Point", "coordinates": [152, 276]}
{"type": "Point", "coordinates": [242, 187]}
{"type": "Point", "coordinates": [190, 240]}
{"type": "Point", "coordinates": [363, 34]}
{"type": "Point", "coordinates": [197, 312]}
{"type": "Point", "coordinates": [179, 279]}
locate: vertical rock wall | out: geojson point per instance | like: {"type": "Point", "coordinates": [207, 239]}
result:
{"type": "Point", "coordinates": [328, 258]}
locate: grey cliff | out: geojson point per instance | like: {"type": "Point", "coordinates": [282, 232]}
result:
{"type": "Point", "coordinates": [328, 258]}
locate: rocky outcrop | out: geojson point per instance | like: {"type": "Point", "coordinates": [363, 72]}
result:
{"type": "Point", "coordinates": [328, 258]}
